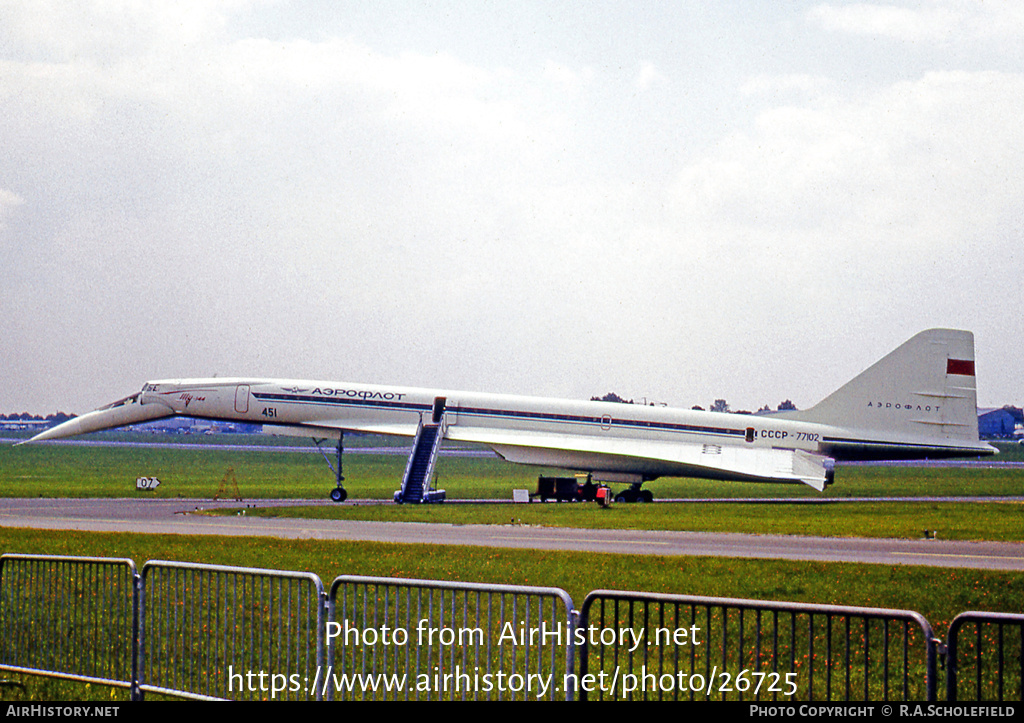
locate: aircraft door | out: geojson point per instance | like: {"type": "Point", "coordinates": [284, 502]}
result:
{"type": "Point", "coordinates": [242, 398]}
{"type": "Point", "coordinates": [439, 407]}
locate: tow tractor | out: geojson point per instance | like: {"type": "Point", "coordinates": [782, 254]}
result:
{"type": "Point", "coordinates": [580, 488]}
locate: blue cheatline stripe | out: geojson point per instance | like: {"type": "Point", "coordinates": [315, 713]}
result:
{"type": "Point", "coordinates": [600, 421]}
{"type": "Point", "coordinates": [512, 414]}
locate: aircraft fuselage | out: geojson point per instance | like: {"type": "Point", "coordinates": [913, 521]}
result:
{"type": "Point", "coordinates": [917, 402]}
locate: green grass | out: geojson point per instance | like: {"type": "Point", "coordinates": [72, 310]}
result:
{"type": "Point", "coordinates": [57, 471]}
{"type": "Point", "coordinates": [1003, 522]}
{"type": "Point", "coordinates": [1010, 451]}
{"type": "Point", "coordinates": [198, 472]}
{"type": "Point", "coordinates": [937, 593]}
{"type": "Point", "coordinates": [51, 470]}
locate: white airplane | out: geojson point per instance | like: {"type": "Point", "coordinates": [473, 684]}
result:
{"type": "Point", "coordinates": [917, 402]}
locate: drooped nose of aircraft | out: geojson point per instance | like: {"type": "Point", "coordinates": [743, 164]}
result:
{"type": "Point", "coordinates": [129, 410]}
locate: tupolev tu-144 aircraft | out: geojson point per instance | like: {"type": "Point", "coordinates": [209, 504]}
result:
{"type": "Point", "coordinates": [918, 402]}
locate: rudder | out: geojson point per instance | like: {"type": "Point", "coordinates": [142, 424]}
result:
{"type": "Point", "coordinates": [924, 389]}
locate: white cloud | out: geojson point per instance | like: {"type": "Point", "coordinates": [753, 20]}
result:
{"type": "Point", "coordinates": [102, 31]}
{"type": "Point", "coordinates": [915, 163]}
{"type": "Point", "coordinates": [318, 201]}
{"type": "Point", "coordinates": [87, 58]}
{"type": "Point", "coordinates": [848, 215]}
{"type": "Point", "coordinates": [916, 24]}
{"type": "Point", "coordinates": [649, 76]}
{"type": "Point", "coordinates": [565, 77]}
{"type": "Point", "coordinates": [9, 201]}
{"type": "Point", "coordinates": [936, 22]}
{"type": "Point", "coordinates": [776, 85]}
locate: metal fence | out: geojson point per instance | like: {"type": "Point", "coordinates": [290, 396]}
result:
{"type": "Point", "coordinates": [644, 646]}
{"type": "Point", "coordinates": [402, 639]}
{"type": "Point", "coordinates": [74, 618]}
{"type": "Point", "coordinates": [990, 663]}
{"type": "Point", "coordinates": [209, 631]}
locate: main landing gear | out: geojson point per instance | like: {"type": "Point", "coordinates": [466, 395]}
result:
{"type": "Point", "coordinates": [338, 494]}
{"type": "Point", "coordinates": [634, 494]}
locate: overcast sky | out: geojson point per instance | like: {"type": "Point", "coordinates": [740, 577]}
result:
{"type": "Point", "coordinates": [678, 201]}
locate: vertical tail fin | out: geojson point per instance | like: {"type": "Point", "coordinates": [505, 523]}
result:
{"type": "Point", "coordinates": [923, 391]}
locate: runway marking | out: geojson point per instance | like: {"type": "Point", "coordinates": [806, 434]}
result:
{"type": "Point", "coordinates": [581, 539]}
{"type": "Point", "coordinates": [946, 554]}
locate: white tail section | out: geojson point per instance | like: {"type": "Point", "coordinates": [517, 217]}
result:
{"type": "Point", "coordinates": [925, 389]}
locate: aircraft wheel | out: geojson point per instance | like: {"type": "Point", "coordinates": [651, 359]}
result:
{"type": "Point", "coordinates": [338, 494]}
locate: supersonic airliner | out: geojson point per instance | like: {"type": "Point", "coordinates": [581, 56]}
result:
{"type": "Point", "coordinates": [917, 402]}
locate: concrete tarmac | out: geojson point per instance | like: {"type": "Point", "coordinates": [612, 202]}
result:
{"type": "Point", "coordinates": [177, 516]}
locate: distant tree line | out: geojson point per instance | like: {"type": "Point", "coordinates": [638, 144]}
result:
{"type": "Point", "coordinates": [57, 418]}
{"type": "Point", "coordinates": [611, 397]}
{"type": "Point", "coordinates": [720, 405]}
{"type": "Point", "coordinates": [1016, 412]}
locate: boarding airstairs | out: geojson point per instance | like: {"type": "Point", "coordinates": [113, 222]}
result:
{"type": "Point", "coordinates": [420, 469]}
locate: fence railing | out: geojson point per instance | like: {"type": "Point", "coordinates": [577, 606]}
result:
{"type": "Point", "coordinates": [74, 618]}
{"type": "Point", "coordinates": [680, 647]}
{"type": "Point", "coordinates": [209, 631]}
{"type": "Point", "coordinates": [989, 664]}
{"type": "Point", "coordinates": [434, 640]}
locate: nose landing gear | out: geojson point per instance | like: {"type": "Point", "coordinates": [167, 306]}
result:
{"type": "Point", "coordinates": [339, 493]}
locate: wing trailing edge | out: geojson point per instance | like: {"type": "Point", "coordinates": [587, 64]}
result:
{"type": "Point", "coordinates": [614, 459]}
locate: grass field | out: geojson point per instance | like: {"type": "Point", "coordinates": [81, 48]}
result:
{"type": "Point", "coordinates": [939, 594]}
{"type": "Point", "coordinates": [288, 468]}
{"type": "Point", "coordinates": [198, 471]}
{"type": "Point", "coordinates": [1002, 522]}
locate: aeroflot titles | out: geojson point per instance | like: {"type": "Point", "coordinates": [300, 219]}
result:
{"type": "Point", "coordinates": [908, 407]}
{"type": "Point", "coordinates": [358, 394]}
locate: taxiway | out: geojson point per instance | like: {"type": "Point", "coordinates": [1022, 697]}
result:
{"type": "Point", "coordinates": [178, 516]}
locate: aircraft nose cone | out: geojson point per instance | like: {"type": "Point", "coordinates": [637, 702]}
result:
{"type": "Point", "coordinates": [120, 414]}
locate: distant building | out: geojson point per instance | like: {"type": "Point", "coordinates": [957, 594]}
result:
{"type": "Point", "coordinates": [994, 423]}
{"type": "Point", "coordinates": [20, 424]}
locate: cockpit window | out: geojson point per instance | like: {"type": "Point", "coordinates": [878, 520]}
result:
{"type": "Point", "coordinates": [122, 402]}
